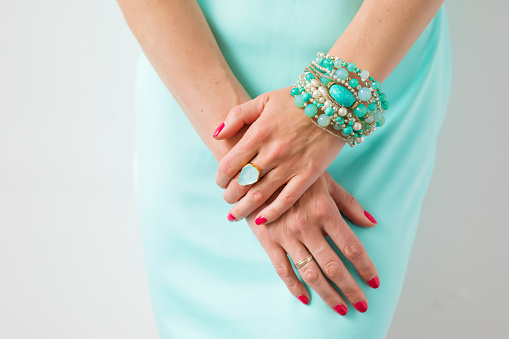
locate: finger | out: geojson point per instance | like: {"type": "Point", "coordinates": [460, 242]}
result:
{"type": "Point", "coordinates": [285, 271]}
{"type": "Point", "coordinates": [234, 192]}
{"type": "Point", "coordinates": [351, 247]}
{"type": "Point", "coordinates": [293, 190]}
{"type": "Point", "coordinates": [335, 270]}
{"type": "Point", "coordinates": [257, 195]}
{"type": "Point", "coordinates": [311, 274]}
{"type": "Point", "coordinates": [233, 161]}
{"type": "Point", "coordinates": [243, 114]}
{"type": "Point", "coordinates": [350, 206]}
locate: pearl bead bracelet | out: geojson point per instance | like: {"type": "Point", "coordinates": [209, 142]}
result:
{"type": "Point", "coordinates": [351, 109]}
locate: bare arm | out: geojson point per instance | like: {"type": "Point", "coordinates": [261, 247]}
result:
{"type": "Point", "coordinates": [179, 44]}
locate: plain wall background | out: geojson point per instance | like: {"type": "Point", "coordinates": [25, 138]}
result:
{"type": "Point", "coordinates": [70, 252]}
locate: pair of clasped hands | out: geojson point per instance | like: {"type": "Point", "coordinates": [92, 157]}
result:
{"type": "Point", "coordinates": [296, 203]}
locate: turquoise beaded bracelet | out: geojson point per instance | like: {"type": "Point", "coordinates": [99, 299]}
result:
{"type": "Point", "coordinates": [351, 108]}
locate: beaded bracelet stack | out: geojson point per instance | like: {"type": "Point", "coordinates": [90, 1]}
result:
{"type": "Point", "coordinates": [351, 108]}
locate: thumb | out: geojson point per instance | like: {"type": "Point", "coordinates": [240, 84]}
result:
{"type": "Point", "coordinates": [243, 114]}
{"type": "Point", "coordinates": [350, 206]}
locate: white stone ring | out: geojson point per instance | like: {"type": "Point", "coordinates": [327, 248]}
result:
{"type": "Point", "coordinates": [249, 174]}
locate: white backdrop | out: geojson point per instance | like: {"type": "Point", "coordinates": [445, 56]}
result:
{"type": "Point", "coordinates": [70, 251]}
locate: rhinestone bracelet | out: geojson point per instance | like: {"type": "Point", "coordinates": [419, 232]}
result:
{"type": "Point", "coordinates": [351, 108]}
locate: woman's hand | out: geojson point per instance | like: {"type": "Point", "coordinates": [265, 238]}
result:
{"type": "Point", "coordinates": [304, 227]}
{"type": "Point", "coordinates": [283, 143]}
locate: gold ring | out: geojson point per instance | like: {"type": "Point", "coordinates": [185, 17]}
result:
{"type": "Point", "coordinates": [304, 261]}
{"type": "Point", "coordinates": [249, 174]}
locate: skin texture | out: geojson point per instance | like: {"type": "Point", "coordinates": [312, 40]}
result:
{"type": "Point", "coordinates": [169, 31]}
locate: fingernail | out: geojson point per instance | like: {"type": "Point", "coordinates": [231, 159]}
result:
{"type": "Point", "coordinates": [370, 217]}
{"type": "Point", "coordinates": [219, 129]}
{"type": "Point", "coordinates": [341, 309]}
{"type": "Point", "coordinates": [260, 220]}
{"type": "Point", "coordinates": [231, 217]}
{"type": "Point", "coordinates": [303, 298]}
{"type": "Point", "coordinates": [374, 282]}
{"type": "Point", "coordinates": [361, 306]}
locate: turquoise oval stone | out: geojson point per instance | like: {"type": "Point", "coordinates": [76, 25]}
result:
{"type": "Point", "coordinates": [342, 95]}
{"type": "Point", "coordinates": [342, 73]}
{"type": "Point", "coordinates": [310, 110]}
{"type": "Point", "coordinates": [299, 102]}
{"type": "Point", "coordinates": [248, 175]}
{"type": "Point", "coordinates": [323, 120]}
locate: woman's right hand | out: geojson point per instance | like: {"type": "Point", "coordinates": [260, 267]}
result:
{"type": "Point", "coordinates": [304, 227]}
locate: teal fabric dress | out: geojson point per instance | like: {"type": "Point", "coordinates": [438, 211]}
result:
{"type": "Point", "coordinates": [210, 278]}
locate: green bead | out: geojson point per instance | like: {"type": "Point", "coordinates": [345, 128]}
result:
{"type": "Point", "coordinates": [306, 96]}
{"type": "Point", "coordinates": [325, 81]}
{"type": "Point", "coordinates": [337, 64]}
{"type": "Point", "coordinates": [348, 130]}
{"type": "Point", "coordinates": [310, 76]}
{"type": "Point", "coordinates": [339, 120]}
{"type": "Point", "coordinates": [351, 67]}
{"type": "Point", "coordinates": [354, 83]}
{"type": "Point", "coordinates": [375, 84]}
{"type": "Point", "coordinates": [357, 70]}
{"type": "Point", "coordinates": [294, 91]}
{"type": "Point", "coordinates": [372, 107]}
{"type": "Point", "coordinates": [329, 111]}
{"type": "Point", "coordinates": [385, 105]}
{"type": "Point", "coordinates": [360, 111]}
{"type": "Point", "coordinates": [350, 123]}
{"type": "Point", "coordinates": [310, 110]}
{"type": "Point", "coordinates": [345, 63]}
{"type": "Point", "coordinates": [381, 122]}
{"type": "Point", "coordinates": [371, 78]}
{"type": "Point", "coordinates": [319, 105]}
{"type": "Point", "coordinates": [382, 97]}
{"type": "Point", "coordinates": [299, 102]}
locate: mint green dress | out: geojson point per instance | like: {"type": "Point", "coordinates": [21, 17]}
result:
{"type": "Point", "coordinates": [210, 278]}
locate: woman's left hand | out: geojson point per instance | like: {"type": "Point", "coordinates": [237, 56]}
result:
{"type": "Point", "coordinates": [286, 146]}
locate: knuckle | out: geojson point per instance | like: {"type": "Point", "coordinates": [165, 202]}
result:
{"type": "Point", "coordinates": [310, 276]}
{"type": "Point", "coordinates": [353, 250]}
{"type": "Point", "coordinates": [349, 199]}
{"type": "Point", "coordinates": [288, 198]}
{"type": "Point", "coordinates": [257, 134]}
{"type": "Point", "coordinates": [283, 271]}
{"type": "Point", "coordinates": [333, 270]}
{"type": "Point", "coordinates": [276, 152]}
{"type": "Point", "coordinates": [235, 111]}
{"type": "Point", "coordinates": [225, 168]}
{"type": "Point", "coordinates": [257, 196]}
{"type": "Point", "coordinates": [322, 207]}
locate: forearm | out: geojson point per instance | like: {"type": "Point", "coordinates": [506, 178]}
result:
{"type": "Point", "coordinates": [382, 32]}
{"type": "Point", "coordinates": [179, 44]}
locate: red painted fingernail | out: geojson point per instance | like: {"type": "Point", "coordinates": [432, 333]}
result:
{"type": "Point", "coordinates": [361, 306]}
{"type": "Point", "coordinates": [303, 298]}
{"type": "Point", "coordinates": [260, 220]}
{"type": "Point", "coordinates": [374, 282]}
{"type": "Point", "coordinates": [370, 217]}
{"type": "Point", "coordinates": [231, 217]}
{"type": "Point", "coordinates": [219, 129]}
{"type": "Point", "coordinates": [341, 309]}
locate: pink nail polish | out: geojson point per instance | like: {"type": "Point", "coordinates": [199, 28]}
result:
{"type": "Point", "coordinates": [303, 298]}
{"type": "Point", "coordinates": [219, 129]}
{"type": "Point", "coordinates": [260, 220]}
{"type": "Point", "coordinates": [374, 282]}
{"type": "Point", "coordinates": [231, 217]}
{"type": "Point", "coordinates": [341, 309]}
{"type": "Point", "coordinates": [370, 217]}
{"type": "Point", "coordinates": [361, 306]}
